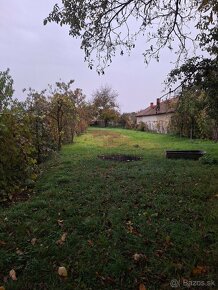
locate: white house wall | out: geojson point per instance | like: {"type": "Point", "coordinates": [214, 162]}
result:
{"type": "Point", "coordinates": [157, 123]}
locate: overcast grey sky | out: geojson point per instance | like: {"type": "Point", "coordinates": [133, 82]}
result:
{"type": "Point", "coordinates": [38, 55]}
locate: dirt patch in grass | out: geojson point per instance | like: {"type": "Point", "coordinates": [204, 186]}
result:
{"type": "Point", "coordinates": [119, 157]}
{"type": "Point", "coordinates": [105, 133]}
{"type": "Point", "coordinates": [108, 138]}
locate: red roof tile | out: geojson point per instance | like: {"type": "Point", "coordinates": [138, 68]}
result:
{"type": "Point", "coordinates": [166, 106]}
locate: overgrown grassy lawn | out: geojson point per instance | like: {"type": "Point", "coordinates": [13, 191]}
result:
{"type": "Point", "coordinates": [126, 223]}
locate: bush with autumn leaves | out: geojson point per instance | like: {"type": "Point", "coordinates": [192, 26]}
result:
{"type": "Point", "coordinates": [31, 130]}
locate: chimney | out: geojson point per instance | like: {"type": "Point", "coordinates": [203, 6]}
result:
{"type": "Point", "coordinates": [151, 105]}
{"type": "Point", "coordinates": [158, 104]}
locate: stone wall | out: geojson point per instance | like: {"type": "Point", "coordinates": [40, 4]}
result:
{"type": "Point", "coordinates": [156, 123]}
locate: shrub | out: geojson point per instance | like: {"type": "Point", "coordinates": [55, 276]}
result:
{"type": "Point", "coordinates": [17, 162]}
{"type": "Point", "coordinates": [31, 130]}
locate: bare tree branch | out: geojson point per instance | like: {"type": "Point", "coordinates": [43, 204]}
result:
{"type": "Point", "coordinates": [110, 25]}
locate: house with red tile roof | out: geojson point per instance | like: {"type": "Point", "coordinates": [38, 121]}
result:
{"type": "Point", "coordinates": [157, 117]}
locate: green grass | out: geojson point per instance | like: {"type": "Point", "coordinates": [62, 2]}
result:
{"type": "Point", "coordinates": [164, 210]}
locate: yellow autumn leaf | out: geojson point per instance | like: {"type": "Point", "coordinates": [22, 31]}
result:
{"type": "Point", "coordinates": [142, 287]}
{"type": "Point", "coordinates": [2, 288]}
{"type": "Point", "coordinates": [199, 270]}
{"type": "Point", "coordinates": [33, 176]}
{"type": "Point", "coordinates": [12, 274]}
{"type": "Point", "coordinates": [62, 271]}
{"type": "Point", "coordinates": [62, 239]}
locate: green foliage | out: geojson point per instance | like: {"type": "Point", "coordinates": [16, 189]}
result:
{"type": "Point", "coordinates": [68, 112]}
{"type": "Point", "coordinates": [196, 114]}
{"type": "Point", "coordinates": [128, 120]}
{"type": "Point", "coordinates": [17, 162]}
{"type": "Point", "coordinates": [191, 118]}
{"type": "Point", "coordinates": [37, 108]}
{"type": "Point", "coordinates": [6, 89]}
{"type": "Point", "coordinates": [31, 131]}
{"type": "Point", "coordinates": [104, 106]}
{"type": "Point", "coordinates": [199, 75]}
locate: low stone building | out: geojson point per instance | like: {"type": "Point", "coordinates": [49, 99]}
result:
{"type": "Point", "coordinates": [157, 117]}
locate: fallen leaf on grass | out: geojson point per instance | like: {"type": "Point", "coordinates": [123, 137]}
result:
{"type": "Point", "coordinates": [2, 288]}
{"type": "Point", "coordinates": [91, 243]}
{"type": "Point", "coordinates": [168, 241]}
{"type": "Point", "coordinates": [132, 230]}
{"type": "Point", "coordinates": [105, 280]}
{"type": "Point", "coordinates": [12, 274]}
{"type": "Point", "coordinates": [62, 239]}
{"type": "Point", "coordinates": [159, 253]}
{"type": "Point", "coordinates": [139, 257]}
{"type": "Point", "coordinates": [19, 252]}
{"type": "Point", "coordinates": [2, 243]}
{"type": "Point", "coordinates": [142, 287]}
{"type": "Point", "coordinates": [62, 272]}
{"type": "Point", "coordinates": [129, 227]}
{"type": "Point", "coordinates": [60, 222]}
{"type": "Point", "coordinates": [33, 241]}
{"type": "Point", "coordinates": [199, 270]}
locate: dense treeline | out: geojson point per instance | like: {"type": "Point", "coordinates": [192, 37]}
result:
{"type": "Point", "coordinates": [194, 117]}
{"type": "Point", "coordinates": [197, 114]}
{"type": "Point", "coordinates": [31, 130]}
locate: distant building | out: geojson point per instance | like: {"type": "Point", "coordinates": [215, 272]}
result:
{"type": "Point", "coordinates": [157, 117]}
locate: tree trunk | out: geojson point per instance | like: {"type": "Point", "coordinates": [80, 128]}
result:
{"type": "Point", "coordinates": [59, 125]}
